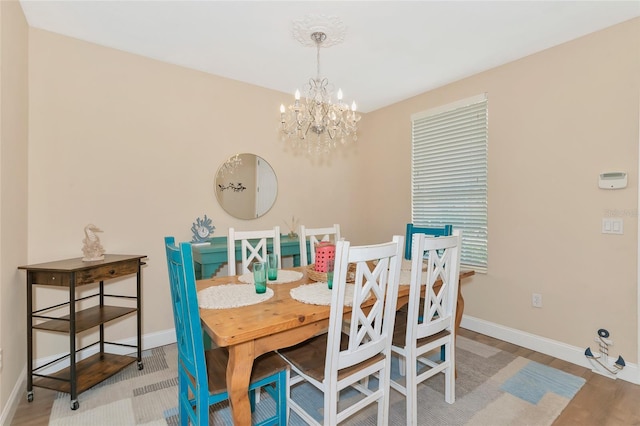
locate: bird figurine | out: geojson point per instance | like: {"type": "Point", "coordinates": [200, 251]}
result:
{"type": "Point", "coordinates": [92, 249]}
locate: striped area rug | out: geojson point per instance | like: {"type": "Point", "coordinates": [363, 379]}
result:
{"type": "Point", "coordinates": [493, 388]}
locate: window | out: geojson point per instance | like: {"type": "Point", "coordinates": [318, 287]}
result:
{"type": "Point", "coordinates": [449, 173]}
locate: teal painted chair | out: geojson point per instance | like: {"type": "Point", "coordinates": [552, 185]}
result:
{"type": "Point", "coordinates": [432, 231]}
{"type": "Point", "coordinates": [201, 373]}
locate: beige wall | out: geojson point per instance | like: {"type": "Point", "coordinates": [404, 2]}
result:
{"type": "Point", "coordinates": [13, 193]}
{"type": "Point", "coordinates": [556, 120]}
{"type": "Point", "coordinates": [133, 145]}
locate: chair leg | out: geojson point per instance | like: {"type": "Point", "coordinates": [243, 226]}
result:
{"type": "Point", "coordinates": [402, 365]}
{"type": "Point", "coordinates": [330, 407]}
{"type": "Point", "coordinates": [384, 379]}
{"type": "Point", "coordinates": [449, 374]}
{"type": "Point", "coordinates": [206, 341]}
{"type": "Point", "coordinates": [202, 409]}
{"type": "Point", "coordinates": [182, 410]}
{"type": "Point", "coordinates": [277, 390]}
{"type": "Point", "coordinates": [288, 394]}
{"type": "Point", "coordinates": [281, 403]}
{"type": "Point", "coordinates": [382, 413]}
{"type": "Point", "coordinates": [411, 387]}
{"type": "Point", "coordinates": [252, 399]}
{"type": "Point", "coordinates": [365, 382]}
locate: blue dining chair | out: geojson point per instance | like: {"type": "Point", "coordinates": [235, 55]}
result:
{"type": "Point", "coordinates": [433, 231]}
{"type": "Point", "coordinates": [202, 373]}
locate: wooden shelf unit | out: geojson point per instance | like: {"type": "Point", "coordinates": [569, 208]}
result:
{"type": "Point", "coordinates": [70, 274]}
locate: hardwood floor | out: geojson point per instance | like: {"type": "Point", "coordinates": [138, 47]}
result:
{"type": "Point", "coordinates": [600, 402]}
{"type": "Point", "coordinates": [34, 413]}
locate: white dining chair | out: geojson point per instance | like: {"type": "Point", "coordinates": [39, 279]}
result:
{"type": "Point", "coordinates": [253, 247]}
{"type": "Point", "coordinates": [364, 350]}
{"type": "Point", "coordinates": [429, 322]}
{"type": "Point", "coordinates": [315, 236]}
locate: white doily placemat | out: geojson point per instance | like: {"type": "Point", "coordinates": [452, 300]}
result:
{"type": "Point", "coordinates": [284, 276]}
{"type": "Point", "coordinates": [405, 277]}
{"type": "Point", "coordinates": [406, 265]}
{"type": "Point", "coordinates": [319, 294]}
{"type": "Point", "coordinates": [405, 272]}
{"type": "Point", "coordinates": [231, 296]}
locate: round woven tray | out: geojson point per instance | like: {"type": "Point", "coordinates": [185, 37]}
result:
{"type": "Point", "coordinates": [322, 276]}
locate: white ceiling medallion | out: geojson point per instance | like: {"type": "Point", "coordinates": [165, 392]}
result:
{"type": "Point", "coordinates": [332, 26]}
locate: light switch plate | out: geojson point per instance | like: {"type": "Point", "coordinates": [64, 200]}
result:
{"type": "Point", "coordinates": [612, 225]}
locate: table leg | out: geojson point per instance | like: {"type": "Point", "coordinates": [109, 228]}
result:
{"type": "Point", "coordinates": [241, 358]}
{"type": "Point", "coordinates": [459, 310]}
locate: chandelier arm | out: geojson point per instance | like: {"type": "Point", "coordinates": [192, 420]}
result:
{"type": "Point", "coordinates": [304, 135]}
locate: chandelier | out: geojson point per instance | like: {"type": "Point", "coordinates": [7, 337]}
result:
{"type": "Point", "coordinates": [315, 122]}
{"type": "Point", "coordinates": [230, 165]}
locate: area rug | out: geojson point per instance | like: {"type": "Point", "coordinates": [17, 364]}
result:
{"type": "Point", "coordinates": [493, 388]}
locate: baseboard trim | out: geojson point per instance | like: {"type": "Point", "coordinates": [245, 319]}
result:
{"type": "Point", "coordinates": [149, 341]}
{"type": "Point", "coordinates": [20, 387]}
{"type": "Point", "coordinates": [554, 348]}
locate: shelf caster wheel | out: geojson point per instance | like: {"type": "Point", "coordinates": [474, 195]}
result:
{"type": "Point", "coordinates": [75, 404]}
{"type": "Point", "coordinates": [30, 396]}
{"type": "Point", "coordinates": [140, 366]}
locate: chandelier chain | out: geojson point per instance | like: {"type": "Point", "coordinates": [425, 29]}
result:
{"type": "Point", "coordinates": [318, 61]}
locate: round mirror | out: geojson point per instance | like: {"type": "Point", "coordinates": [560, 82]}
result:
{"type": "Point", "coordinates": [246, 186]}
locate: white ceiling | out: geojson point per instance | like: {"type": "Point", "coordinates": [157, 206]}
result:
{"type": "Point", "coordinates": [392, 49]}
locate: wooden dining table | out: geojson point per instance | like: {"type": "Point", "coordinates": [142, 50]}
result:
{"type": "Point", "coordinates": [279, 322]}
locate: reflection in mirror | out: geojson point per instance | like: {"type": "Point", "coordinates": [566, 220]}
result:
{"type": "Point", "coordinates": [246, 186]}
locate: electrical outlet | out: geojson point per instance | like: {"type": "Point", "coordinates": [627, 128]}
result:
{"type": "Point", "coordinates": [536, 300]}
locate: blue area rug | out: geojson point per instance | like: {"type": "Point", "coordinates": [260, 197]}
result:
{"type": "Point", "coordinates": [493, 388]}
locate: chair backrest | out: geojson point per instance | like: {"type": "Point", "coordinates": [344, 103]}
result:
{"type": "Point", "coordinates": [370, 325]}
{"type": "Point", "coordinates": [436, 310]}
{"type": "Point", "coordinates": [315, 236]}
{"type": "Point", "coordinates": [253, 247]}
{"type": "Point", "coordinates": [434, 231]}
{"type": "Point", "coordinates": [186, 315]}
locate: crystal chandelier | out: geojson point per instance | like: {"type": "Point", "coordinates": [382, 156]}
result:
{"type": "Point", "coordinates": [315, 122]}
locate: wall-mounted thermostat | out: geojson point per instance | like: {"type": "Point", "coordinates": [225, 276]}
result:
{"type": "Point", "coordinates": [612, 180]}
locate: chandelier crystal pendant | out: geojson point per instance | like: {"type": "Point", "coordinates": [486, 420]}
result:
{"type": "Point", "coordinates": [230, 165]}
{"type": "Point", "coordinates": [315, 122]}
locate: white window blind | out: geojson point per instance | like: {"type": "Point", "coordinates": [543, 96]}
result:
{"type": "Point", "coordinates": [449, 173]}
